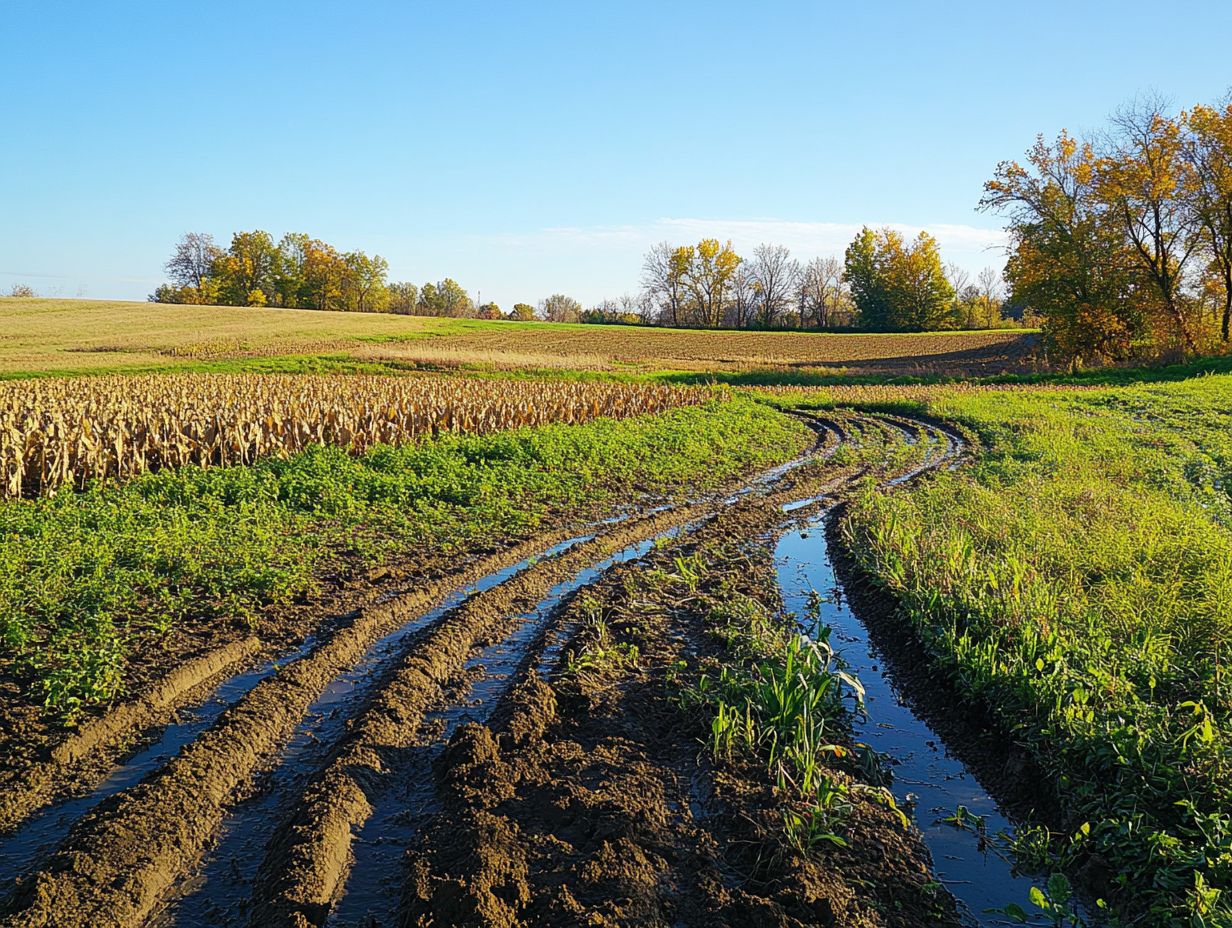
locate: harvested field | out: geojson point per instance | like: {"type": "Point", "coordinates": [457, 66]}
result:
{"type": "Point", "coordinates": [68, 432]}
{"type": "Point", "coordinates": [614, 347]}
{"type": "Point", "coordinates": [47, 336]}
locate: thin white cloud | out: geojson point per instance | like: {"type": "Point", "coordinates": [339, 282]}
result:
{"type": "Point", "coordinates": [598, 261]}
{"type": "Point", "coordinates": [965, 244]}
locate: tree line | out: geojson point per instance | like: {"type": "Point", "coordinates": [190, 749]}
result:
{"type": "Point", "coordinates": [884, 283]}
{"type": "Point", "coordinates": [1122, 243]}
{"type": "Point", "coordinates": [301, 272]}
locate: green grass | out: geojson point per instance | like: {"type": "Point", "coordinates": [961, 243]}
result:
{"type": "Point", "coordinates": [1077, 580]}
{"type": "Point", "coordinates": [85, 578]}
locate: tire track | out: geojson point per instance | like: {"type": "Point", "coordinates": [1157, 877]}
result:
{"type": "Point", "coordinates": [121, 858]}
{"type": "Point", "coordinates": [126, 858]}
{"type": "Point", "coordinates": [310, 855]}
{"type": "Point", "coordinates": [474, 865]}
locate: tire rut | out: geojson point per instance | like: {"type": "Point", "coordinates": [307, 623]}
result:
{"type": "Point", "coordinates": [310, 855]}
{"type": "Point", "coordinates": [124, 861]}
{"type": "Point", "coordinates": [122, 857]}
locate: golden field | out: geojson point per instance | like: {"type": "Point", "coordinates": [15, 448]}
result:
{"type": "Point", "coordinates": [40, 336]}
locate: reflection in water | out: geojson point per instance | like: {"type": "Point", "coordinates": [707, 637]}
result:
{"type": "Point", "coordinates": [926, 776]}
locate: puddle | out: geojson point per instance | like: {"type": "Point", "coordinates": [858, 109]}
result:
{"type": "Point", "coordinates": [922, 766]}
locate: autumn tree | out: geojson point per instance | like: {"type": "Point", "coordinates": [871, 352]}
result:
{"type": "Point", "coordinates": [290, 286]}
{"type": "Point", "coordinates": [743, 302]}
{"type": "Point", "coordinates": [1139, 184]}
{"type": "Point", "coordinates": [324, 271]}
{"type": "Point", "coordinates": [364, 283]}
{"type": "Point", "coordinates": [445, 298]}
{"type": "Point", "coordinates": [898, 285]}
{"type": "Point", "coordinates": [1209, 197]}
{"type": "Point", "coordinates": [560, 308]}
{"type": "Point", "coordinates": [403, 298]}
{"type": "Point", "coordinates": [964, 295]}
{"type": "Point", "coordinates": [920, 297]}
{"type": "Point", "coordinates": [1066, 263]}
{"type": "Point", "coordinates": [824, 300]}
{"type": "Point", "coordinates": [522, 312]}
{"type": "Point", "coordinates": [453, 299]}
{"type": "Point", "coordinates": [691, 283]}
{"type": "Point", "coordinates": [664, 273]}
{"type": "Point", "coordinates": [429, 301]}
{"type": "Point", "coordinates": [248, 269]}
{"type": "Point", "coordinates": [708, 275]}
{"type": "Point", "coordinates": [988, 289]}
{"type": "Point", "coordinates": [192, 266]}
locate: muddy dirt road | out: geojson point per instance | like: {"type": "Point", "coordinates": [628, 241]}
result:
{"type": "Point", "coordinates": [502, 746]}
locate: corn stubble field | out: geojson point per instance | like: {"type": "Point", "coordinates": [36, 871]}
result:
{"type": "Point", "coordinates": [55, 433]}
{"type": "Point", "coordinates": [378, 648]}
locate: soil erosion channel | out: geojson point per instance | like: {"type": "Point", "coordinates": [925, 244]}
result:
{"type": "Point", "coordinates": [293, 797]}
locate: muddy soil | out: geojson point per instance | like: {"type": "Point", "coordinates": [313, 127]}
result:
{"type": "Point", "coordinates": [589, 799]}
{"type": "Point", "coordinates": [42, 759]}
{"type": "Point", "coordinates": [581, 795]}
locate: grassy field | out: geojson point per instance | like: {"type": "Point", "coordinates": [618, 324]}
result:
{"type": "Point", "coordinates": [86, 577]}
{"type": "Point", "coordinates": [80, 336]}
{"type": "Point", "coordinates": [1077, 581]}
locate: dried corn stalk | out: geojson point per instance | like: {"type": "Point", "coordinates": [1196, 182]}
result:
{"type": "Point", "coordinates": [55, 433]}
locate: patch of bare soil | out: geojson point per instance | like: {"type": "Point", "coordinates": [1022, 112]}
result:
{"type": "Point", "coordinates": [590, 800]}
{"type": "Point", "coordinates": [311, 854]}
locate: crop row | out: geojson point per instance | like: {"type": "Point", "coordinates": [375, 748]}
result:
{"type": "Point", "coordinates": [55, 433]}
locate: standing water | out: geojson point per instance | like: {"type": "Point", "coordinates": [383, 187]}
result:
{"type": "Point", "coordinates": [926, 775]}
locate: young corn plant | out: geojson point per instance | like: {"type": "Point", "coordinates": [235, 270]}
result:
{"type": "Point", "coordinates": [780, 699]}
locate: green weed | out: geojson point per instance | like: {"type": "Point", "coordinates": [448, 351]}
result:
{"type": "Point", "coordinates": [1077, 580]}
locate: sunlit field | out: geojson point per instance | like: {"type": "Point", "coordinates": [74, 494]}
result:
{"type": "Point", "coordinates": [78, 336]}
{"type": "Point", "coordinates": [644, 465]}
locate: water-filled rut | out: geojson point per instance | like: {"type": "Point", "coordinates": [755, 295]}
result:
{"type": "Point", "coordinates": [958, 818]}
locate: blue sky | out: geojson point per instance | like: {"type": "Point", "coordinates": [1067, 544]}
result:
{"type": "Point", "coordinates": [530, 148]}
